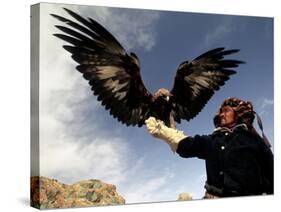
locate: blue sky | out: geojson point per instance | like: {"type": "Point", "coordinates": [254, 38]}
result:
{"type": "Point", "coordinates": [80, 140]}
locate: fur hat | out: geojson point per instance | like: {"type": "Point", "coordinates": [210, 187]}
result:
{"type": "Point", "coordinates": [243, 110]}
{"type": "Point", "coordinates": [245, 115]}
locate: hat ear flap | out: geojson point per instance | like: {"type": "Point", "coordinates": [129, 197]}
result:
{"type": "Point", "coordinates": [265, 139]}
{"type": "Point", "coordinates": [217, 120]}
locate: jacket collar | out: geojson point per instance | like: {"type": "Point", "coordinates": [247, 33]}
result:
{"type": "Point", "coordinates": [226, 129]}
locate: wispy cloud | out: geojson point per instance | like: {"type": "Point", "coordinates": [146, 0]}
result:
{"type": "Point", "coordinates": [148, 190]}
{"type": "Point", "coordinates": [219, 32]}
{"type": "Point", "coordinates": [137, 28]}
{"type": "Point", "coordinates": [264, 106]}
{"type": "Point", "coordinates": [146, 183]}
{"type": "Point", "coordinates": [133, 28]}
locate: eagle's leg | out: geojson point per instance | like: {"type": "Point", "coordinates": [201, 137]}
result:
{"type": "Point", "coordinates": [172, 121]}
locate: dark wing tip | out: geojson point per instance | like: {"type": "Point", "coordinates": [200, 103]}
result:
{"type": "Point", "coordinates": [58, 17]}
{"type": "Point", "coordinates": [61, 36]}
{"type": "Point", "coordinates": [54, 15]}
{"type": "Point", "coordinates": [241, 62]}
{"type": "Point", "coordinates": [73, 14]}
{"type": "Point", "coordinates": [70, 49]}
{"type": "Point", "coordinates": [230, 72]}
{"type": "Point", "coordinates": [68, 10]}
{"type": "Point", "coordinates": [219, 48]}
{"type": "Point", "coordinates": [57, 35]}
{"type": "Point", "coordinates": [215, 51]}
{"type": "Point", "coordinates": [210, 52]}
{"type": "Point", "coordinates": [60, 27]}
{"type": "Point", "coordinates": [235, 50]}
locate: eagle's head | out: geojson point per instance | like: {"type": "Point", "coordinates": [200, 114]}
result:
{"type": "Point", "coordinates": [162, 94]}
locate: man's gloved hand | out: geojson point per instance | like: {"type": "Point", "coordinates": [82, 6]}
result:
{"type": "Point", "coordinates": [159, 130]}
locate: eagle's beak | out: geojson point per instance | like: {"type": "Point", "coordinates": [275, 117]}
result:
{"type": "Point", "coordinates": [167, 98]}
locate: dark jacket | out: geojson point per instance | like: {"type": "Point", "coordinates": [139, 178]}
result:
{"type": "Point", "coordinates": [238, 163]}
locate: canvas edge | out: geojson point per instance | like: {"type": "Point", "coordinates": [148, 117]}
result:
{"type": "Point", "coordinates": [34, 104]}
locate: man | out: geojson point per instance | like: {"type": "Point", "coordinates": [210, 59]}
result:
{"type": "Point", "coordinates": [238, 161]}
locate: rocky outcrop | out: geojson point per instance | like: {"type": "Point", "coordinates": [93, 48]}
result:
{"type": "Point", "coordinates": [49, 193]}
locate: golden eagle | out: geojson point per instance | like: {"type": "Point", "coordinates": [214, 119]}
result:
{"type": "Point", "coordinates": [114, 75]}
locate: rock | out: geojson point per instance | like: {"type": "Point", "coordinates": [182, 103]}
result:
{"type": "Point", "coordinates": [184, 196]}
{"type": "Point", "coordinates": [49, 193]}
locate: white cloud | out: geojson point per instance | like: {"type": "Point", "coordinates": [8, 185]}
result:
{"type": "Point", "coordinates": [71, 161]}
{"type": "Point", "coordinates": [264, 106]}
{"type": "Point", "coordinates": [222, 29]}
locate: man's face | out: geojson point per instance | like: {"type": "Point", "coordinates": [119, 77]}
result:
{"type": "Point", "coordinates": [227, 117]}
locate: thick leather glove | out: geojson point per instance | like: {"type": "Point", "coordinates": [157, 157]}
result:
{"type": "Point", "coordinates": [159, 130]}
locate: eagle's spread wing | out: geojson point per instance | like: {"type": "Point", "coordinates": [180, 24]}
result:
{"type": "Point", "coordinates": [196, 82]}
{"type": "Point", "coordinates": [113, 74]}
